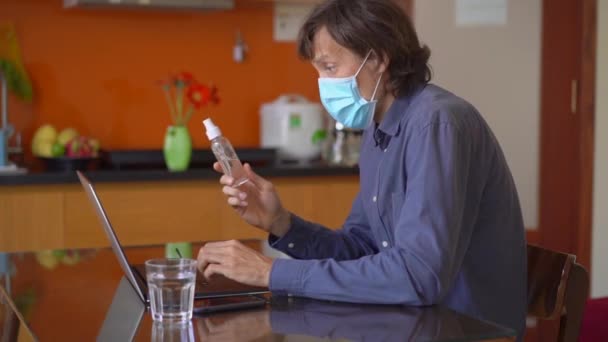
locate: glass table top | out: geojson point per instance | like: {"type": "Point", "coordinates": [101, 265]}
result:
{"type": "Point", "coordinates": [81, 295]}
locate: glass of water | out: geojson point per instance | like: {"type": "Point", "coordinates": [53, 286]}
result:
{"type": "Point", "coordinates": [171, 288]}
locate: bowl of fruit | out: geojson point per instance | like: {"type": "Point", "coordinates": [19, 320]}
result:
{"type": "Point", "coordinates": [66, 150]}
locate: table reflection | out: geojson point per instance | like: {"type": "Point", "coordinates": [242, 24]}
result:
{"type": "Point", "coordinates": [80, 301]}
{"type": "Point", "coordinates": [309, 320]}
{"type": "Point", "coordinates": [12, 325]}
{"type": "Point", "coordinates": [182, 331]}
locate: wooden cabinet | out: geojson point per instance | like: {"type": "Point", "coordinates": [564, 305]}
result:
{"type": "Point", "coordinates": [55, 217]}
{"type": "Point", "coordinates": [32, 218]}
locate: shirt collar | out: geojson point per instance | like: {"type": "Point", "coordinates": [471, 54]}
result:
{"type": "Point", "coordinates": [391, 123]}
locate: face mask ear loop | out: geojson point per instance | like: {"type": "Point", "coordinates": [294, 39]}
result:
{"type": "Point", "coordinates": [363, 64]}
{"type": "Point", "coordinates": [377, 85]}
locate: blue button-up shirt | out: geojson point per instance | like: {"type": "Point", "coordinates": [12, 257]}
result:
{"type": "Point", "coordinates": [437, 220]}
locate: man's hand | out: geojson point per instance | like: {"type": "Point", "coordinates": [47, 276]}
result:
{"type": "Point", "coordinates": [234, 260]}
{"type": "Point", "coordinates": [256, 201]}
{"type": "Point", "coordinates": [241, 326]}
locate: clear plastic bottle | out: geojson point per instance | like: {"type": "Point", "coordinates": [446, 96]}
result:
{"type": "Point", "coordinates": [224, 153]}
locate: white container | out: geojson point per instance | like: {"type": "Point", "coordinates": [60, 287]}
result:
{"type": "Point", "coordinates": [290, 125]}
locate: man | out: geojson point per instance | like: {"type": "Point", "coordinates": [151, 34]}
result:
{"type": "Point", "coordinates": [437, 219]}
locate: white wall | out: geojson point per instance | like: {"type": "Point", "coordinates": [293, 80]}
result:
{"type": "Point", "coordinates": [599, 249]}
{"type": "Point", "coordinates": [497, 69]}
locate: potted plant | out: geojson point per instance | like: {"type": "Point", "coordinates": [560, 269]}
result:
{"type": "Point", "coordinates": [184, 95]}
{"type": "Point", "coordinates": [13, 77]}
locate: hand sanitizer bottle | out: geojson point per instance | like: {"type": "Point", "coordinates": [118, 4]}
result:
{"type": "Point", "coordinates": [224, 153]}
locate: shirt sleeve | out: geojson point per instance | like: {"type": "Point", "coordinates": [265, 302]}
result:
{"type": "Point", "coordinates": [429, 238]}
{"type": "Point", "coordinates": [307, 240]}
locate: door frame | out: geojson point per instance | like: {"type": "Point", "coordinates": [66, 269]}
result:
{"type": "Point", "coordinates": [587, 131]}
{"type": "Point", "coordinates": [576, 199]}
{"type": "Point", "coordinates": [574, 239]}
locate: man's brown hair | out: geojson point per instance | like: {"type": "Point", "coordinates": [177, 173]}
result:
{"type": "Point", "coordinates": [378, 25]}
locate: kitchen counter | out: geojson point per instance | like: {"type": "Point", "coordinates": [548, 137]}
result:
{"type": "Point", "coordinates": [147, 204]}
{"type": "Point", "coordinates": [139, 175]}
{"type": "Point", "coordinates": [149, 165]}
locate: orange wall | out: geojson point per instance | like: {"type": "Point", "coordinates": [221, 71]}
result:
{"type": "Point", "coordinates": [95, 70]}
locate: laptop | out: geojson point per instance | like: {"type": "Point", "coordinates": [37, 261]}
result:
{"type": "Point", "coordinates": [218, 286]}
{"type": "Point", "coordinates": [13, 326]}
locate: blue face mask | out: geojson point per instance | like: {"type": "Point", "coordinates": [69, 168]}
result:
{"type": "Point", "coordinates": [342, 99]}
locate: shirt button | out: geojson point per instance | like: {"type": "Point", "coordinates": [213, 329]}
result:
{"type": "Point", "coordinates": [386, 149]}
{"type": "Point", "coordinates": [375, 199]}
{"type": "Point", "coordinates": [384, 244]}
{"type": "Point", "coordinates": [290, 245]}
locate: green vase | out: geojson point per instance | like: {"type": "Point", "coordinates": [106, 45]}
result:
{"type": "Point", "coordinates": [177, 148]}
{"type": "Point", "coordinates": [185, 250]}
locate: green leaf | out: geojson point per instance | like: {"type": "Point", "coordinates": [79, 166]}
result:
{"type": "Point", "coordinates": [18, 82]}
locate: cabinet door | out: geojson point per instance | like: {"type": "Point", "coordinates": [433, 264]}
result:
{"type": "Point", "coordinates": [31, 219]}
{"type": "Point", "coordinates": [145, 213]}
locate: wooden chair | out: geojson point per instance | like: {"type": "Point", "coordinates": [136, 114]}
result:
{"type": "Point", "coordinates": [557, 288]}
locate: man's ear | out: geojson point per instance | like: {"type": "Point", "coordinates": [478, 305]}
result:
{"type": "Point", "coordinates": [381, 62]}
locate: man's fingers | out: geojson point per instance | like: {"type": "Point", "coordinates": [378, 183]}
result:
{"type": "Point", "coordinates": [201, 263]}
{"type": "Point", "coordinates": [236, 198]}
{"type": "Point", "coordinates": [223, 257]}
{"type": "Point", "coordinates": [218, 167]}
{"type": "Point", "coordinates": [218, 244]}
{"type": "Point", "coordinates": [237, 203]}
{"type": "Point", "coordinates": [257, 180]}
{"type": "Point", "coordinates": [219, 252]}
{"type": "Point", "coordinates": [233, 192]}
{"type": "Point", "coordinates": [226, 180]}
{"type": "Point", "coordinates": [212, 253]}
{"type": "Point", "coordinates": [214, 269]}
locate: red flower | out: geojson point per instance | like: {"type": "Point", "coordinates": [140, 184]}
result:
{"type": "Point", "coordinates": [186, 77]}
{"type": "Point", "coordinates": [199, 95]}
{"type": "Point", "coordinates": [183, 79]}
{"type": "Point", "coordinates": [214, 98]}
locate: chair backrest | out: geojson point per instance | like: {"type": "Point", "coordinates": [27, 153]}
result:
{"type": "Point", "coordinates": [557, 288]}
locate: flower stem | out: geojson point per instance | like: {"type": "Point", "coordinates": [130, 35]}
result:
{"type": "Point", "coordinates": [189, 113]}
{"type": "Point", "coordinates": [180, 103]}
{"type": "Point", "coordinates": [170, 103]}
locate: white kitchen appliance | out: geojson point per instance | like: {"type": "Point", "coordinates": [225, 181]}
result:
{"type": "Point", "coordinates": [294, 126]}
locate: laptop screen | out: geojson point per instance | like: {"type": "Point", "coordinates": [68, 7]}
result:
{"type": "Point", "coordinates": [107, 226]}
